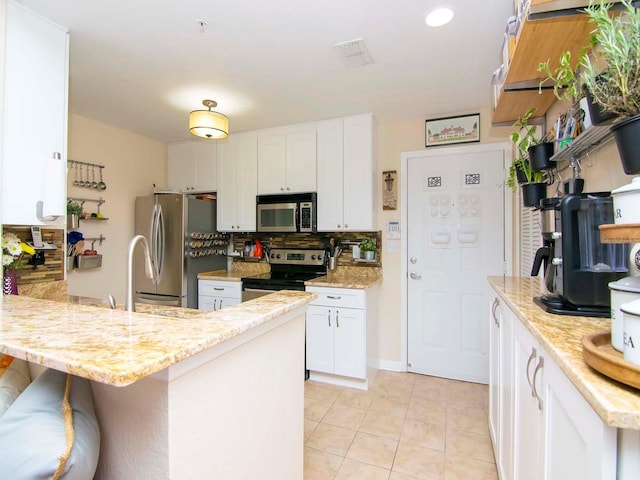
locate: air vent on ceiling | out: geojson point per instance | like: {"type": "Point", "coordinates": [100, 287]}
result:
{"type": "Point", "coordinates": [354, 53]}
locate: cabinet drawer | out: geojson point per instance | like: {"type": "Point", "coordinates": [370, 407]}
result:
{"type": "Point", "coordinates": [338, 297]}
{"type": "Point", "coordinates": [219, 289]}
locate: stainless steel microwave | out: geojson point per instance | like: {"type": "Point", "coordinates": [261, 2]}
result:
{"type": "Point", "coordinates": [294, 213]}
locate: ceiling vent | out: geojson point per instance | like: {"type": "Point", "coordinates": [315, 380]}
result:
{"type": "Point", "coordinates": [354, 53]}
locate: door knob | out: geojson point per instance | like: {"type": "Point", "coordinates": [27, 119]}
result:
{"type": "Point", "coordinates": [413, 260]}
{"type": "Point", "coordinates": [415, 276]}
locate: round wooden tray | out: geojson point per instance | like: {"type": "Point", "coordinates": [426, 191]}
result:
{"type": "Point", "coordinates": [598, 353]}
{"type": "Point", "coordinates": [620, 233]}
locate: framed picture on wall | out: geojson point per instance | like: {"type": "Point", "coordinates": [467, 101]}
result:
{"type": "Point", "coordinates": [452, 130]}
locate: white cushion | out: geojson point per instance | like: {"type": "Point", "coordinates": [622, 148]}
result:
{"type": "Point", "coordinates": [14, 380]}
{"type": "Point", "coordinates": [32, 433]}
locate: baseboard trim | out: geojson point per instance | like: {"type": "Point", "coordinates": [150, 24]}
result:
{"type": "Point", "coordinates": [391, 366]}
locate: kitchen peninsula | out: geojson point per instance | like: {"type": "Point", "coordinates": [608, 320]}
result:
{"type": "Point", "coordinates": [179, 393]}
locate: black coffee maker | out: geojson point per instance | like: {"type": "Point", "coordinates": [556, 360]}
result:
{"type": "Point", "coordinates": [581, 267]}
{"type": "Point", "coordinates": [545, 253]}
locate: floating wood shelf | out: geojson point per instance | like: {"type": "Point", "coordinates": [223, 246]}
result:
{"type": "Point", "coordinates": [627, 233]}
{"type": "Point", "coordinates": [513, 104]}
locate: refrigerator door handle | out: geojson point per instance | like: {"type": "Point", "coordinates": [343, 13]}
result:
{"type": "Point", "coordinates": [159, 251]}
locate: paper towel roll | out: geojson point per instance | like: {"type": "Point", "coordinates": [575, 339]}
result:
{"type": "Point", "coordinates": [54, 187]}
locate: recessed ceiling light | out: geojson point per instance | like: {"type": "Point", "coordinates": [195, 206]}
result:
{"type": "Point", "coordinates": [439, 17]}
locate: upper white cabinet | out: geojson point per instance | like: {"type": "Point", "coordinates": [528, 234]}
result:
{"type": "Point", "coordinates": [287, 160]}
{"type": "Point", "coordinates": [238, 182]}
{"type": "Point", "coordinates": [346, 174]}
{"type": "Point", "coordinates": [35, 90]}
{"type": "Point", "coordinates": [191, 166]}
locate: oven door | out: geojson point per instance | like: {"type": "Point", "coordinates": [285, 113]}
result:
{"type": "Point", "coordinates": [251, 293]}
{"type": "Point", "coordinates": [277, 217]}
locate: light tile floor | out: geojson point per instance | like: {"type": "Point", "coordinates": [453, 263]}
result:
{"type": "Point", "coordinates": [405, 427]}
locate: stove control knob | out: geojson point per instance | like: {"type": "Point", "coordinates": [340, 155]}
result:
{"type": "Point", "coordinates": [319, 257]}
{"type": "Point", "coordinates": [313, 257]}
{"type": "Point", "coordinates": [278, 256]}
{"type": "Point", "coordinates": [273, 255]}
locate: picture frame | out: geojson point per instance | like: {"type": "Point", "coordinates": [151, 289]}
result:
{"type": "Point", "coordinates": [390, 190]}
{"type": "Point", "coordinates": [452, 130]}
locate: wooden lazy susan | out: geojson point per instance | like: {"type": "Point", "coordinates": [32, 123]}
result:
{"type": "Point", "coordinates": [598, 353]}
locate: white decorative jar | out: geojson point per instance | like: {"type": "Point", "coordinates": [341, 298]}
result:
{"type": "Point", "coordinates": [622, 291]}
{"type": "Point", "coordinates": [631, 321]}
{"type": "Point", "coordinates": [626, 200]}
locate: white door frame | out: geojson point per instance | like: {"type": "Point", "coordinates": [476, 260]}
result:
{"type": "Point", "coordinates": [404, 203]}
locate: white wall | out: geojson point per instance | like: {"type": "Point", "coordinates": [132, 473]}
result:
{"type": "Point", "coordinates": [3, 18]}
{"type": "Point", "coordinates": [133, 163]}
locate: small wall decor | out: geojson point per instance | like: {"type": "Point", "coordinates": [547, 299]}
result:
{"type": "Point", "coordinates": [390, 190]}
{"type": "Point", "coordinates": [452, 130]}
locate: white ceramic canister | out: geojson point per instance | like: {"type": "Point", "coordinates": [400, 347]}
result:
{"type": "Point", "coordinates": [622, 291]}
{"type": "Point", "coordinates": [625, 203]}
{"type": "Point", "coordinates": [631, 321]}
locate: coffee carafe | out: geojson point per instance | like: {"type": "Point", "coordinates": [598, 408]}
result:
{"type": "Point", "coordinates": [582, 267]}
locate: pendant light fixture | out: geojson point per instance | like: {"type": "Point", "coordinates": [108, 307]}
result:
{"type": "Point", "coordinates": [207, 123]}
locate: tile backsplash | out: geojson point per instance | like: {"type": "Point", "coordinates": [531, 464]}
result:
{"type": "Point", "coordinates": [53, 268]}
{"type": "Point", "coordinates": [317, 240]}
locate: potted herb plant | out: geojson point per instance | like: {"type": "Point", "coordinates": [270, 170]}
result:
{"type": "Point", "coordinates": [534, 189]}
{"type": "Point", "coordinates": [74, 211]}
{"type": "Point", "coordinates": [616, 42]}
{"type": "Point", "coordinates": [368, 248]}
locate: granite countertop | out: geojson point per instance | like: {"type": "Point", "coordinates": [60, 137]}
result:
{"type": "Point", "coordinates": [561, 336]}
{"type": "Point", "coordinates": [223, 275]}
{"type": "Point", "coordinates": [344, 280]}
{"type": "Point", "coordinates": [117, 347]}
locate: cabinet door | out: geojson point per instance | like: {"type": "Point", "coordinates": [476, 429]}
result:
{"type": "Point", "coordinates": [505, 453]}
{"type": "Point", "coordinates": [527, 420]}
{"type": "Point", "coordinates": [247, 181]}
{"type": "Point", "coordinates": [272, 154]}
{"type": "Point", "coordinates": [205, 178]}
{"type": "Point", "coordinates": [319, 337]}
{"type": "Point", "coordinates": [577, 444]}
{"type": "Point", "coordinates": [350, 354]}
{"type": "Point", "coordinates": [330, 173]}
{"type": "Point", "coordinates": [494, 372]}
{"type": "Point", "coordinates": [227, 188]}
{"type": "Point", "coordinates": [181, 165]}
{"type": "Point", "coordinates": [35, 87]}
{"type": "Point", "coordinates": [207, 303]}
{"type": "Point", "coordinates": [301, 160]}
{"type": "Point", "coordinates": [358, 173]}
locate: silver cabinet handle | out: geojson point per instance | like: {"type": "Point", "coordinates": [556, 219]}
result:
{"type": "Point", "coordinates": [332, 297]}
{"type": "Point", "coordinates": [494, 307]}
{"type": "Point", "coordinates": [531, 357]}
{"type": "Point", "coordinates": [219, 289]}
{"type": "Point", "coordinates": [535, 374]}
{"type": "Point", "coordinates": [346, 226]}
{"type": "Point", "coordinates": [329, 317]}
{"type": "Point", "coordinates": [215, 304]}
{"type": "Point", "coordinates": [415, 276]}
{"type": "Point", "coordinates": [220, 307]}
{"type": "Point", "coordinates": [337, 318]}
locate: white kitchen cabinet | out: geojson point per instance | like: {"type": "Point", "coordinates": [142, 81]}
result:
{"type": "Point", "coordinates": [287, 160]}
{"type": "Point", "coordinates": [217, 294]}
{"type": "Point", "coordinates": [341, 336]}
{"type": "Point", "coordinates": [346, 174]}
{"type": "Point", "coordinates": [191, 166]}
{"type": "Point", "coordinates": [238, 182]}
{"type": "Point", "coordinates": [554, 432]}
{"type": "Point", "coordinates": [494, 372]}
{"type": "Point", "coordinates": [36, 67]}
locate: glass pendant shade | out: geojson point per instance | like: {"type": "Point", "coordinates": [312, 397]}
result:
{"type": "Point", "coordinates": [208, 124]}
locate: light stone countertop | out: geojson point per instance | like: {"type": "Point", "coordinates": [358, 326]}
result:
{"type": "Point", "coordinates": [561, 336]}
{"type": "Point", "coordinates": [223, 275]}
{"type": "Point", "coordinates": [117, 347]}
{"type": "Point", "coordinates": [344, 280]}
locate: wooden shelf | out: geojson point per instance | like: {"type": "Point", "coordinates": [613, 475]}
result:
{"type": "Point", "coordinates": [626, 233]}
{"type": "Point", "coordinates": [538, 41]}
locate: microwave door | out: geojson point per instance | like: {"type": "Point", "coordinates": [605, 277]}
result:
{"type": "Point", "coordinates": [277, 217]}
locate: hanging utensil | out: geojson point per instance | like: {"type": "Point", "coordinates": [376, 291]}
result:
{"type": "Point", "coordinates": [101, 184]}
{"type": "Point", "coordinates": [94, 184]}
{"type": "Point", "coordinates": [75, 175]}
{"type": "Point", "coordinates": [81, 181]}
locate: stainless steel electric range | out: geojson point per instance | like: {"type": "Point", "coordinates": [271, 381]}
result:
{"type": "Point", "coordinates": [290, 268]}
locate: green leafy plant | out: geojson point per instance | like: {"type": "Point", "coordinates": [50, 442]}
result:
{"type": "Point", "coordinates": [74, 208]}
{"type": "Point", "coordinates": [566, 85]}
{"type": "Point", "coordinates": [523, 138]}
{"type": "Point", "coordinates": [368, 245]}
{"type": "Point", "coordinates": [616, 42]}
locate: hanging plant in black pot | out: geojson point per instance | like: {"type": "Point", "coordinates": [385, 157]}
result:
{"type": "Point", "coordinates": [617, 87]}
{"type": "Point", "coordinates": [540, 156]}
{"type": "Point", "coordinates": [599, 116]}
{"type": "Point", "coordinates": [533, 192]}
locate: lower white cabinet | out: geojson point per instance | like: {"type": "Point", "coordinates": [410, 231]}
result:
{"type": "Point", "coordinates": [340, 328]}
{"type": "Point", "coordinates": [218, 294]}
{"type": "Point", "coordinates": [544, 429]}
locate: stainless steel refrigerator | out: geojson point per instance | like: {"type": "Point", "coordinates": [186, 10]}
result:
{"type": "Point", "coordinates": [183, 240]}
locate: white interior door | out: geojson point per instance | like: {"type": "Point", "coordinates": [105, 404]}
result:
{"type": "Point", "coordinates": [455, 232]}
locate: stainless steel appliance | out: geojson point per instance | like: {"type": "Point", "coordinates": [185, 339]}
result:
{"type": "Point", "coordinates": [294, 213]}
{"type": "Point", "coordinates": [581, 266]}
{"type": "Point", "coordinates": [181, 230]}
{"type": "Point", "coordinates": [290, 268]}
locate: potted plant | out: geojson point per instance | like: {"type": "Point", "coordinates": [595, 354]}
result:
{"type": "Point", "coordinates": [616, 43]}
{"type": "Point", "coordinates": [566, 86]}
{"type": "Point", "coordinates": [523, 139]}
{"type": "Point", "coordinates": [368, 248]}
{"type": "Point", "coordinates": [74, 211]}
